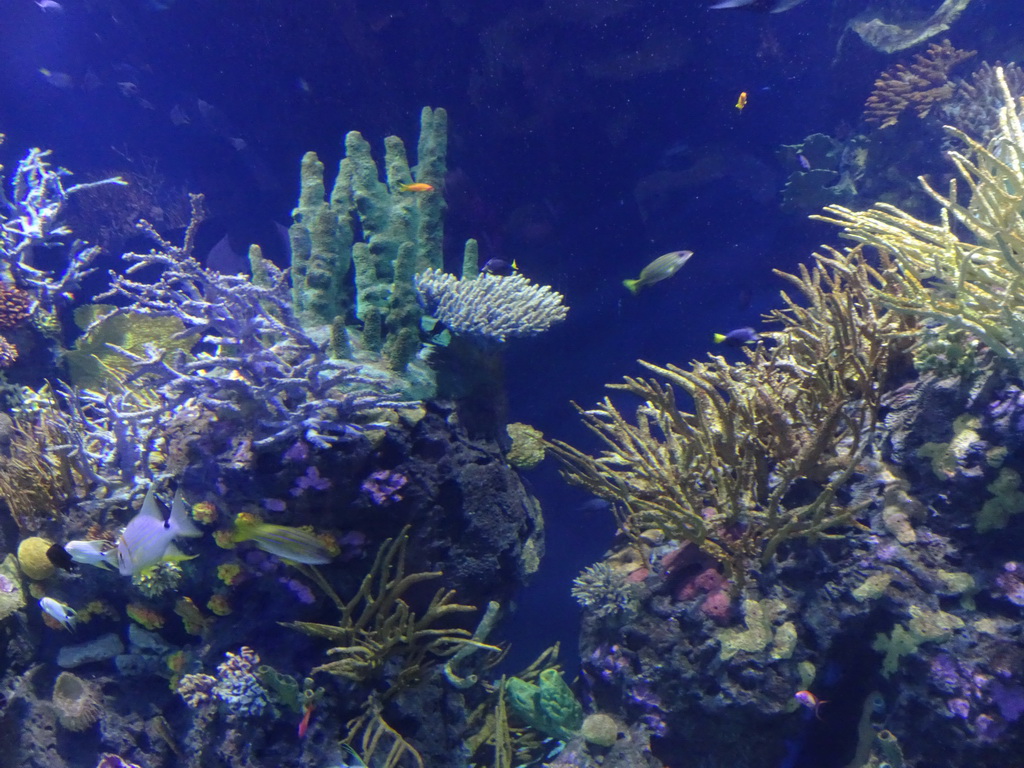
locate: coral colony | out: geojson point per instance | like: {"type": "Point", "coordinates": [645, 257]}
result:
{"type": "Point", "coordinates": [820, 531]}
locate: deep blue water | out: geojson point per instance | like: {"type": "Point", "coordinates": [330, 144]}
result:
{"type": "Point", "coordinates": [550, 134]}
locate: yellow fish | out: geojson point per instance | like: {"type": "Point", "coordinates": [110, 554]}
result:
{"type": "Point", "coordinates": [741, 102]}
{"type": "Point", "coordinates": [285, 541]}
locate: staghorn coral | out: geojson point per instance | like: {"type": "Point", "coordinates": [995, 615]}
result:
{"type": "Point", "coordinates": [262, 369]}
{"type": "Point", "coordinates": [920, 85]}
{"type": "Point", "coordinates": [770, 441]}
{"type": "Point", "coordinates": [79, 703]}
{"type": "Point", "coordinates": [490, 307]}
{"type": "Point", "coordinates": [953, 284]}
{"type": "Point", "coordinates": [33, 235]}
{"type": "Point", "coordinates": [380, 639]}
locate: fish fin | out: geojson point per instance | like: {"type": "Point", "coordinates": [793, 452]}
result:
{"type": "Point", "coordinates": [731, 4]}
{"type": "Point", "coordinates": [174, 555]}
{"type": "Point", "coordinates": [150, 506]}
{"type": "Point", "coordinates": [632, 285]}
{"type": "Point", "coordinates": [180, 522]}
{"type": "Point", "coordinates": [718, 337]}
{"type": "Point", "coordinates": [359, 760]}
{"type": "Point", "coordinates": [785, 5]}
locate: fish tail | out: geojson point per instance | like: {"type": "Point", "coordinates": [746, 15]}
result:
{"type": "Point", "coordinates": [632, 285]}
{"type": "Point", "coordinates": [718, 337]}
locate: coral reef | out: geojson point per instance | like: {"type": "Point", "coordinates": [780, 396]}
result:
{"type": "Point", "coordinates": [921, 85]}
{"type": "Point", "coordinates": [771, 441]}
{"type": "Point", "coordinates": [951, 284]}
{"type": "Point", "coordinates": [265, 370]}
{"type": "Point", "coordinates": [975, 105]}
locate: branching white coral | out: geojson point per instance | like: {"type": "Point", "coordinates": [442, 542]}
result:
{"type": "Point", "coordinates": [490, 306]}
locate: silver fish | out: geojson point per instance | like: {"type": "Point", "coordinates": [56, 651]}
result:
{"type": "Point", "coordinates": [59, 612]}
{"type": "Point", "coordinates": [764, 6]}
{"type": "Point", "coordinates": [96, 552]}
{"type": "Point", "coordinates": [149, 538]}
{"type": "Point", "coordinates": [660, 269]}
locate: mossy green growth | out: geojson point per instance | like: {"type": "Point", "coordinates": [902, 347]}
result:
{"type": "Point", "coordinates": [873, 587]}
{"type": "Point", "coordinates": [97, 363]}
{"type": "Point", "coordinates": [946, 457]}
{"type": "Point", "coordinates": [286, 691]}
{"type": "Point", "coordinates": [1007, 499]}
{"type": "Point", "coordinates": [12, 597]}
{"type": "Point", "coordinates": [549, 706]}
{"type": "Point", "coordinates": [527, 449]}
{"type": "Point", "coordinates": [758, 634]}
{"type": "Point", "coordinates": [925, 626]}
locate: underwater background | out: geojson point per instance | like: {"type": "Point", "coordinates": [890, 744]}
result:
{"type": "Point", "coordinates": [620, 383]}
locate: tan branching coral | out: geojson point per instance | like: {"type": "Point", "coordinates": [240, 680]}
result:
{"type": "Point", "coordinates": [919, 85]}
{"type": "Point", "coordinates": [8, 353]}
{"type": "Point", "coordinates": [78, 702]}
{"type": "Point", "coordinates": [15, 305]}
{"type": "Point", "coordinates": [966, 273]}
{"type": "Point", "coordinates": [380, 636]}
{"type": "Point", "coordinates": [38, 480]}
{"type": "Point", "coordinates": [770, 442]}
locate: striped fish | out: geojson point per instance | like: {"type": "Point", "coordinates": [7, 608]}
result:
{"type": "Point", "coordinates": [149, 538]}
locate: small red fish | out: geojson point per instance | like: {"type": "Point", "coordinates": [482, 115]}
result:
{"type": "Point", "coordinates": [419, 186]}
{"type": "Point", "coordinates": [304, 723]}
{"type": "Point", "coordinates": [810, 701]}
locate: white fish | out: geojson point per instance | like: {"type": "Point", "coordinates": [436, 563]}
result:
{"type": "Point", "coordinates": [60, 80]}
{"type": "Point", "coordinates": [96, 552]}
{"type": "Point", "coordinates": [50, 6]}
{"type": "Point", "coordinates": [769, 6]}
{"type": "Point", "coordinates": [149, 538]}
{"type": "Point", "coordinates": [58, 611]}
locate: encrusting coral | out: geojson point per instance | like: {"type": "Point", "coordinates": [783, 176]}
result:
{"type": "Point", "coordinates": [771, 441]}
{"type": "Point", "coordinates": [955, 285]}
{"type": "Point", "coordinates": [920, 85]}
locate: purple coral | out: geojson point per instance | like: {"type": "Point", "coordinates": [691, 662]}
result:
{"type": "Point", "coordinates": [1011, 582]}
{"type": "Point", "coordinates": [384, 487]}
{"type": "Point", "coordinates": [6, 585]}
{"type": "Point", "coordinates": [310, 481]}
{"type": "Point", "coordinates": [237, 685]}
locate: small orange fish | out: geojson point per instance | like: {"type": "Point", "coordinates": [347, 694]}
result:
{"type": "Point", "coordinates": [810, 701]}
{"type": "Point", "coordinates": [419, 186]}
{"type": "Point", "coordinates": [741, 102]}
{"type": "Point", "coordinates": [304, 724]}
